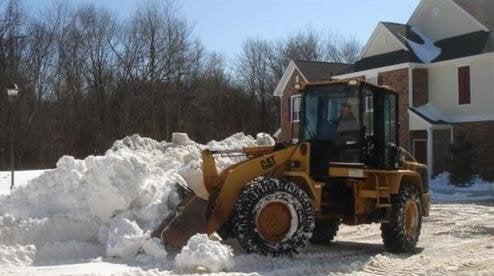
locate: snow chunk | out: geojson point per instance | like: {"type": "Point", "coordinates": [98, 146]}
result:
{"type": "Point", "coordinates": [181, 139]}
{"type": "Point", "coordinates": [202, 252]}
{"type": "Point", "coordinates": [125, 238]}
{"type": "Point", "coordinates": [264, 139]}
{"type": "Point", "coordinates": [154, 247]}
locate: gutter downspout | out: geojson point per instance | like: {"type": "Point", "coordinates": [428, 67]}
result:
{"type": "Point", "coordinates": [430, 160]}
{"type": "Point", "coordinates": [410, 84]}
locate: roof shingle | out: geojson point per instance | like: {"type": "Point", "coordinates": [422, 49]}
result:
{"type": "Point", "coordinates": [319, 71]}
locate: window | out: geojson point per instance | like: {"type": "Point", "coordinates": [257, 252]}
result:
{"type": "Point", "coordinates": [368, 116]}
{"type": "Point", "coordinates": [464, 96]}
{"type": "Point", "coordinates": [295, 106]}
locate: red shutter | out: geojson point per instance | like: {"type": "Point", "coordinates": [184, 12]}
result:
{"type": "Point", "coordinates": [464, 85]}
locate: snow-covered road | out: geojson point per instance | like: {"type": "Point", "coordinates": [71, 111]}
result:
{"type": "Point", "coordinates": [456, 238]}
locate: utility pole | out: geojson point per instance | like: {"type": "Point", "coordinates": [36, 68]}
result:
{"type": "Point", "coordinates": [12, 93]}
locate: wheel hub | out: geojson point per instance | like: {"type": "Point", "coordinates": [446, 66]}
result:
{"type": "Point", "coordinates": [274, 221]}
{"type": "Point", "coordinates": [411, 218]}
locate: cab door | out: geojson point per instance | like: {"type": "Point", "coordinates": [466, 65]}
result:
{"type": "Point", "coordinates": [387, 126]}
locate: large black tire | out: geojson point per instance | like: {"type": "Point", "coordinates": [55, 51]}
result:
{"type": "Point", "coordinates": [254, 200]}
{"type": "Point", "coordinates": [325, 231]}
{"type": "Point", "coordinates": [401, 234]}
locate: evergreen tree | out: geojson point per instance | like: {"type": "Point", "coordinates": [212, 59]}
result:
{"type": "Point", "coordinates": [461, 157]}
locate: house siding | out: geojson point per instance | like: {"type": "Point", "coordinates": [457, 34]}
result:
{"type": "Point", "coordinates": [442, 19]}
{"type": "Point", "coordinates": [443, 89]}
{"type": "Point", "coordinates": [398, 80]}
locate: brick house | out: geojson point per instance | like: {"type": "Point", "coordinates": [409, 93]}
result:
{"type": "Point", "coordinates": [441, 63]}
{"type": "Point", "coordinates": [307, 71]}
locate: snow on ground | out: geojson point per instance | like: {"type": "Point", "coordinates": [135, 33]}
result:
{"type": "Point", "coordinates": [443, 192]}
{"type": "Point", "coordinates": [20, 178]}
{"type": "Point", "coordinates": [93, 217]}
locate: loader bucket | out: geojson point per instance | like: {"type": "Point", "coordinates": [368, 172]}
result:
{"type": "Point", "coordinates": [188, 219]}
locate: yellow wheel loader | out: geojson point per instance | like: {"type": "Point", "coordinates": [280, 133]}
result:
{"type": "Point", "coordinates": [346, 167]}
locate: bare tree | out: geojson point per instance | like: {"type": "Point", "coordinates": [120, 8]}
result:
{"type": "Point", "coordinates": [341, 49]}
{"type": "Point", "coordinates": [254, 73]}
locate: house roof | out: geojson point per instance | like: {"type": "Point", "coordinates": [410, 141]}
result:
{"type": "Point", "coordinates": [403, 32]}
{"type": "Point", "coordinates": [473, 43]}
{"type": "Point", "coordinates": [310, 71]}
{"type": "Point", "coordinates": [319, 71]}
{"type": "Point", "coordinates": [421, 51]}
{"type": "Point", "coordinates": [430, 113]}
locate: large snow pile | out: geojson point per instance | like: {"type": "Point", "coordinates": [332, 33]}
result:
{"type": "Point", "coordinates": [443, 191]}
{"type": "Point", "coordinates": [105, 205]}
{"type": "Point", "coordinates": [202, 252]}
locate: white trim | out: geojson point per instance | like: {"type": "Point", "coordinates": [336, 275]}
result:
{"type": "Point", "coordinates": [410, 85]}
{"type": "Point", "coordinates": [377, 30]}
{"type": "Point", "coordinates": [461, 60]}
{"type": "Point", "coordinates": [287, 74]}
{"type": "Point", "coordinates": [378, 70]}
{"type": "Point", "coordinates": [292, 98]}
{"type": "Point", "coordinates": [430, 151]}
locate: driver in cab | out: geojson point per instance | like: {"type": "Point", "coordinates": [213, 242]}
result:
{"type": "Point", "coordinates": [341, 130]}
{"type": "Point", "coordinates": [347, 121]}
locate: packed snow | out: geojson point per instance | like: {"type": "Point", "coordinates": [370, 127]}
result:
{"type": "Point", "coordinates": [202, 252]}
{"type": "Point", "coordinates": [20, 178]}
{"type": "Point", "coordinates": [444, 192]}
{"type": "Point", "coordinates": [106, 205]}
{"type": "Point", "coordinates": [427, 51]}
{"type": "Point", "coordinates": [94, 217]}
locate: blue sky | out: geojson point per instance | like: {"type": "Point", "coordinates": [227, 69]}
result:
{"type": "Point", "coordinates": [222, 25]}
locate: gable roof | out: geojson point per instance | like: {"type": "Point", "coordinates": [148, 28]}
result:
{"type": "Point", "coordinates": [310, 71]}
{"type": "Point", "coordinates": [319, 71]}
{"type": "Point", "coordinates": [403, 32]}
{"type": "Point", "coordinates": [430, 113]}
{"type": "Point", "coordinates": [380, 33]}
{"type": "Point", "coordinates": [421, 49]}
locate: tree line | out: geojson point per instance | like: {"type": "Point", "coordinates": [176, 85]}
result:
{"type": "Point", "coordinates": [87, 77]}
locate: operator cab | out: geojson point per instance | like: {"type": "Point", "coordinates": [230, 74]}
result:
{"type": "Point", "coordinates": [351, 122]}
